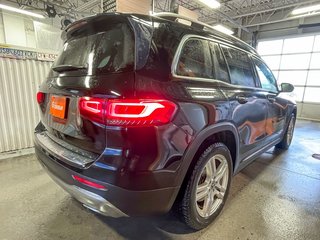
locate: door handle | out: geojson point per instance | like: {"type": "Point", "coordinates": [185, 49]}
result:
{"type": "Point", "coordinates": [242, 99]}
{"type": "Point", "coordinates": [271, 98]}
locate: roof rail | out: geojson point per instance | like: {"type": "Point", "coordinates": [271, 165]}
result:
{"type": "Point", "coordinates": [175, 17]}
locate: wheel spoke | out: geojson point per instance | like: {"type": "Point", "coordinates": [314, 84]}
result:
{"type": "Point", "coordinates": [202, 191]}
{"type": "Point", "coordinates": [210, 170]}
{"type": "Point", "coordinates": [208, 204]}
{"type": "Point", "coordinates": [221, 170]}
{"type": "Point", "coordinates": [213, 164]}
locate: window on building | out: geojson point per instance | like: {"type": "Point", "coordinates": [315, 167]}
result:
{"type": "Point", "coordinates": [298, 45]}
{"type": "Point", "coordinates": [295, 61]}
{"type": "Point", "coordinates": [297, 78]}
{"type": "Point", "coordinates": [270, 47]}
{"type": "Point", "coordinates": [316, 45]}
{"type": "Point", "coordinates": [298, 63]}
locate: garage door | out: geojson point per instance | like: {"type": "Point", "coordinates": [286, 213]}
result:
{"type": "Point", "coordinates": [296, 60]}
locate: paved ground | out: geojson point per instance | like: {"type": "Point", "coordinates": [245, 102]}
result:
{"type": "Point", "coordinates": [276, 197]}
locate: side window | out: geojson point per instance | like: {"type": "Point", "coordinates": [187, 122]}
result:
{"type": "Point", "coordinates": [241, 72]}
{"type": "Point", "coordinates": [219, 64]}
{"type": "Point", "coordinates": [267, 80]}
{"type": "Point", "coordinates": [195, 60]}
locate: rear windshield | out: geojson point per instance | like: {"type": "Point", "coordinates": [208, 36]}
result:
{"type": "Point", "coordinates": [107, 51]}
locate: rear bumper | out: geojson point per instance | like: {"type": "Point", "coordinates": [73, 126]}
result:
{"type": "Point", "coordinates": [89, 199]}
{"type": "Point", "coordinates": [114, 201]}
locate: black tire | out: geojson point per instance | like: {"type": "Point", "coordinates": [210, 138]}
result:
{"type": "Point", "coordinates": [189, 208]}
{"type": "Point", "coordinates": [288, 135]}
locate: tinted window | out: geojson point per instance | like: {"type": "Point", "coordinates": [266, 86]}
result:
{"type": "Point", "coordinates": [195, 60]}
{"type": "Point", "coordinates": [162, 49]}
{"type": "Point", "coordinates": [241, 72]}
{"type": "Point", "coordinates": [266, 77]}
{"type": "Point", "coordinates": [111, 50]}
{"type": "Point", "coordinates": [220, 66]}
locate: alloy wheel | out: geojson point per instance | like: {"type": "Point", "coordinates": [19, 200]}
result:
{"type": "Point", "coordinates": [290, 131]}
{"type": "Point", "coordinates": [212, 185]}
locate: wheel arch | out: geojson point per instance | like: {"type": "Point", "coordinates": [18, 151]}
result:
{"type": "Point", "coordinates": [295, 111]}
{"type": "Point", "coordinates": [225, 133]}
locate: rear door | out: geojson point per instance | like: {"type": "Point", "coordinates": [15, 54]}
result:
{"type": "Point", "coordinates": [275, 124]}
{"type": "Point", "coordinates": [195, 73]}
{"type": "Point", "coordinates": [248, 104]}
{"type": "Point", "coordinates": [96, 63]}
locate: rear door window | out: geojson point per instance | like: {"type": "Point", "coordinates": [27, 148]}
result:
{"type": "Point", "coordinates": [107, 51]}
{"type": "Point", "coordinates": [240, 67]}
{"type": "Point", "coordinates": [195, 59]}
{"type": "Point", "coordinates": [219, 63]}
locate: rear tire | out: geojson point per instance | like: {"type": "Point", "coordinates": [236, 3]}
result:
{"type": "Point", "coordinates": [207, 187]}
{"type": "Point", "coordinates": [287, 138]}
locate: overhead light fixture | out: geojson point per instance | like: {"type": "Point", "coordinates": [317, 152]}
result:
{"type": "Point", "coordinates": [223, 29]}
{"type": "Point", "coordinates": [306, 9]}
{"type": "Point", "coordinates": [18, 10]}
{"type": "Point", "coordinates": [65, 22]}
{"type": "Point", "coordinates": [210, 3]}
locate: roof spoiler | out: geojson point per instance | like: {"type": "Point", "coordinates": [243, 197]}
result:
{"type": "Point", "coordinates": [195, 23]}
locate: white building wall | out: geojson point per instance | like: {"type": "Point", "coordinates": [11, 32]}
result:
{"type": "Point", "coordinates": [20, 78]}
{"type": "Point", "coordinates": [19, 114]}
{"type": "Point", "coordinates": [2, 39]}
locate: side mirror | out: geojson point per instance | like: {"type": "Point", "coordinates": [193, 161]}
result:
{"type": "Point", "coordinates": [287, 87]}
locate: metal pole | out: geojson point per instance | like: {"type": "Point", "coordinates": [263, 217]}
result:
{"type": "Point", "coordinates": [172, 5]}
{"type": "Point", "coordinates": [152, 6]}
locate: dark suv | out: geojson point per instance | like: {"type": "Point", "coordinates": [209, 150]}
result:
{"type": "Point", "coordinates": [140, 113]}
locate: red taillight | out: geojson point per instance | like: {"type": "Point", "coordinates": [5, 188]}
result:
{"type": "Point", "coordinates": [137, 112]}
{"type": "Point", "coordinates": [92, 109]}
{"type": "Point", "coordinates": [89, 183]}
{"type": "Point", "coordinates": [41, 97]}
{"type": "Point", "coordinates": [127, 112]}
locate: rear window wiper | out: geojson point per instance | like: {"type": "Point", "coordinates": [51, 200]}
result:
{"type": "Point", "coordinates": [65, 68]}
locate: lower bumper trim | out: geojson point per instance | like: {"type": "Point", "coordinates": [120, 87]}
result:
{"type": "Point", "coordinates": [89, 199]}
